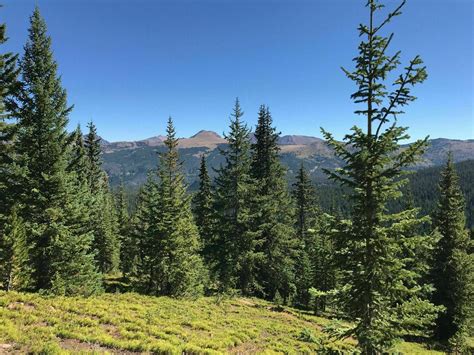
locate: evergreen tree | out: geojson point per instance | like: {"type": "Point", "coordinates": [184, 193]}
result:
{"type": "Point", "coordinates": [304, 196]}
{"type": "Point", "coordinates": [123, 218]}
{"type": "Point", "coordinates": [8, 170]}
{"type": "Point", "coordinates": [274, 213]}
{"type": "Point", "coordinates": [103, 221]}
{"type": "Point", "coordinates": [376, 283]}
{"type": "Point", "coordinates": [14, 255]}
{"type": "Point", "coordinates": [52, 205]}
{"type": "Point", "coordinates": [173, 266]}
{"type": "Point", "coordinates": [307, 209]}
{"type": "Point", "coordinates": [204, 213]}
{"type": "Point", "coordinates": [315, 266]}
{"type": "Point", "coordinates": [93, 151]}
{"type": "Point", "coordinates": [104, 225]}
{"type": "Point", "coordinates": [141, 240]}
{"type": "Point", "coordinates": [235, 247]}
{"type": "Point", "coordinates": [321, 249]}
{"type": "Point", "coordinates": [78, 162]}
{"type": "Point", "coordinates": [453, 271]}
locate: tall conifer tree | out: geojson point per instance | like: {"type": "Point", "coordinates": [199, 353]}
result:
{"type": "Point", "coordinates": [10, 229]}
{"type": "Point", "coordinates": [8, 81]}
{"type": "Point", "coordinates": [307, 209]}
{"type": "Point", "coordinates": [204, 213]}
{"type": "Point", "coordinates": [103, 221]}
{"type": "Point", "coordinates": [376, 282]}
{"type": "Point", "coordinates": [93, 152]}
{"type": "Point", "coordinates": [123, 218]}
{"type": "Point", "coordinates": [173, 266]}
{"type": "Point", "coordinates": [453, 264]}
{"type": "Point", "coordinates": [52, 202]}
{"type": "Point", "coordinates": [306, 213]}
{"type": "Point", "coordinates": [236, 256]}
{"type": "Point", "coordinates": [78, 161]}
{"type": "Point", "coordinates": [274, 213]}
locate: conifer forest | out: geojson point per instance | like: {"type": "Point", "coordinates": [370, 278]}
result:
{"type": "Point", "coordinates": [378, 259]}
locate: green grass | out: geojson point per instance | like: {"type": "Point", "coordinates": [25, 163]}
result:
{"type": "Point", "coordinates": [124, 323]}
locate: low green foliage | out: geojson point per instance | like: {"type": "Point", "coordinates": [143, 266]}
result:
{"type": "Point", "coordinates": [132, 322]}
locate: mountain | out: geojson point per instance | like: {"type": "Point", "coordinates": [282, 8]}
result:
{"type": "Point", "coordinates": [130, 161]}
{"type": "Point", "coordinates": [207, 139]}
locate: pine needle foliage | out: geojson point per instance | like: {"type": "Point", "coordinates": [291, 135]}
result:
{"type": "Point", "coordinates": [236, 257]}
{"type": "Point", "coordinates": [51, 199]}
{"type": "Point", "coordinates": [376, 282]}
{"type": "Point", "coordinates": [273, 223]}
{"type": "Point", "coordinates": [204, 212]}
{"type": "Point", "coordinates": [170, 261]}
{"type": "Point", "coordinates": [453, 271]}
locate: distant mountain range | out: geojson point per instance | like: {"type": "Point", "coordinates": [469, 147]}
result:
{"type": "Point", "coordinates": [130, 161]}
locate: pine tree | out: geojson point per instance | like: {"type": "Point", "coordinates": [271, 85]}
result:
{"type": "Point", "coordinates": [376, 283]}
{"type": "Point", "coordinates": [307, 209]}
{"type": "Point", "coordinates": [204, 213]}
{"type": "Point", "coordinates": [52, 205]}
{"type": "Point", "coordinates": [96, 175]}
{"type": "Point", "coordinates": [170, 261]}
{"type": "Point", "coordinates": [304, 195]}
{"type": "Point", "coordinates": [104, 222]}
{"type": "Point", "coordinates": [320, 247]}
{"type": "Point", "coordinates": [123, 219]}
{"type": "Point", "coordinates": [235, 247]}
{"type": "Point", "coordinates": [105, 228]}
{"type": "Point", "coordinates": [15, 272]}
{"type": "Point", "coordinates": [78, 162]}
{"type": "Point", "coordinates": [273, 208]}
{"type": "Point", "coordinates": [8, 170]}
{"type": "Point", "coordinates": [453, 271]}
{"type": "Point", "coordinates": [141, 240]}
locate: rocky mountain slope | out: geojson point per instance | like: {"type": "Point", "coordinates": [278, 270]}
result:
{"type": "Point", "coordinates": [130, 161]}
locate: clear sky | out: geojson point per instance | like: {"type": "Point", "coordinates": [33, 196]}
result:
{"type": "Point", "coordinates": [128, 65]}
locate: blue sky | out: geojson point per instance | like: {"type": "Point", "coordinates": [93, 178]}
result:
{"type": "Point", "coordinates": [128, 65]}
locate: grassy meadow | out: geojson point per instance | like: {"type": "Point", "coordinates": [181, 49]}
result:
{"type": "Point", "coordinates": [130, 323]}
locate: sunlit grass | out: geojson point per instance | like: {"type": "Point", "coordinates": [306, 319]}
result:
{"type": "Point", "coordinates": [131, 322]}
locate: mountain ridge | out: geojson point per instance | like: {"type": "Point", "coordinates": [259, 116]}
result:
{"type": "Point", "coordinates": [130, 161]}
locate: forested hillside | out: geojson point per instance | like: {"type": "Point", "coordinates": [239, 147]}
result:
{"type": "Point", "coordinates": [423, 189]}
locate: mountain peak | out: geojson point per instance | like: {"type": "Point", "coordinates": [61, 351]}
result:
{"type": "Point", "coordinates": [206, 134]}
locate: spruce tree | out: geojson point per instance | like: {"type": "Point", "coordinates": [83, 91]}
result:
{"type": "Point", "coordinates": [78, 162]}
{"type": "Point", "coordinates": [453, 271]}
{"type": "Point", "coordinates": [235, 247]}
{"type": "Point", "coordinates": [306, 213]}
{"type": "Point", "coordinates": [9, 172]}
{"type": "Point", "coordinates": [204, 213]}
{"type": "Point", "coordinates": [51, 201]}
{"type": "Point", "coordinates": [141, 240]}
{"type": "Point", "coordinates": [274, 213]}
{"type": "Point", "coordinates": [103, 221]}
{"type": "Point", "coordinates": [123, 219]}
{"type": "Point", "coordinates": [170, 264]}
{"type": "Point", "coordinates": [93, 151]}
{"type": "Point", "coordinates": [307, 210]}
{"type": "Point", "coordinates": [15, 272]}
{"type": "Point", "coordinates": [376, 284]}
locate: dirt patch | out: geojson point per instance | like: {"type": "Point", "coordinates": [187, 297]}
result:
{"type": "Point", "coordinates": [21, 306]}
{"type": "Point", "coordinates": [80, 346]}
{"type": "Point", "coordinates": [76, 345]}
{"type": "Point", "coordinates": [11, 349]}
{"type": "Point", "coordinates": [246, 302]}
